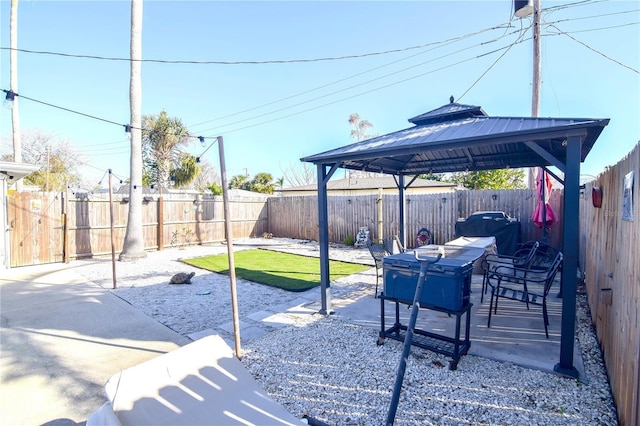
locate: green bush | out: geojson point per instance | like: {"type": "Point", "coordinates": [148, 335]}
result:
{"type": "Point", "coordinates": [349, 241]}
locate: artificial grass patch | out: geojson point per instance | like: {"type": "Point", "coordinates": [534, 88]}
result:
{"type": "Point", "coordinates": [287, 271]}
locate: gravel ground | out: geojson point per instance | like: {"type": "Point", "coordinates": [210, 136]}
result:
{"type": "Point", "coordinates": [330, 369]}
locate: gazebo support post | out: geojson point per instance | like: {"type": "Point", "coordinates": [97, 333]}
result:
{"type": "Point", "coordinates": [571, 229]}
{"type": "Point", "coordinates": [323, 237]}
{"type": "Point", "coordinates": [402, 213]}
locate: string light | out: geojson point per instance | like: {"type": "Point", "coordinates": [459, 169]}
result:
{"type": "Point", "coordinates": [9, 99]}
{"type": "Point", "coordinates": [217, 138]}
{"type": "Point", "coordinates": [127, 127]}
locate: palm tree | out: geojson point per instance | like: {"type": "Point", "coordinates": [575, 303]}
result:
{"type": "Point", "coordinates": [133, 247]}
{"type": "Point", "coordinates": [239, 182]}
{"type": "Point", "coordinates": [162, 138]}
{"type": "Point", "coordinates": [359, 132]}
{"type": "Point", "coordinates": [262, 182]}
{"type": "Point", "coordinates": [360, 127]}
{"type": "Point", "coordinates": [185, 169]}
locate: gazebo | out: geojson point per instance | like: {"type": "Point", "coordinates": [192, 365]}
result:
{"type": "Point", "coordinates": [457, 137]}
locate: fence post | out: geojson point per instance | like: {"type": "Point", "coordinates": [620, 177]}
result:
{"type": "Point", "coordinates": [65, 227]}
{"type": "Point", "coordinates": [160, 229]}
{"type": "Point", "coordinates": [380, 220]}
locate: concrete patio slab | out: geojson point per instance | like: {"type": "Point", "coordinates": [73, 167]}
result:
{"type": "Point", "coordinates": [516, 334]}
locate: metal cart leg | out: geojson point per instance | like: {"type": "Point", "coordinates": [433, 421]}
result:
{"type": "Point", "coordinates": [382, 329]}
{"type": "Point", "coordinates": [453, 364]}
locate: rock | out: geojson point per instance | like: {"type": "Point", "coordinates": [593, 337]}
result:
{"type": "Point", "coordinates": [182, 278]}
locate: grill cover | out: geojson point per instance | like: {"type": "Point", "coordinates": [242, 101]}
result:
{"type": "Point", "coordinates": [448, 283]}
{"type": "Point", "coordinates": [492, 224]}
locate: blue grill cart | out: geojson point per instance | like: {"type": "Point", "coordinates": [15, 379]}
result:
{"type": "Point", "coordinates": [446, 288]}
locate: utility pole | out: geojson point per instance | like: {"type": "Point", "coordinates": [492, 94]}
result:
{"type": "Point", "coordinates": [535, 94]}
{"type": "Point", "coordinates": [13, 86]}
{"type": "Point", "coordinates": [523, 8]}
{"type": "Point", "coordinates": [535, 90]}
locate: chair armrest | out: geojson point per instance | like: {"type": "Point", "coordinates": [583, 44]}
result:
{"type": "Point", "coordinates": [490, 261]}
{"type": "Point", "coordinates": [518, 275]}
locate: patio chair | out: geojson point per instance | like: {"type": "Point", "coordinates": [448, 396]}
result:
{"type": "Point", "coordinates": [522, 258]}
{"type": "Point", "coordinates": [392, 242]}
{"type": "Point", "coordinates": [543, 256]}
{"type": "Point", "coordinates": [530, 286]}
{"type": "Point", "coordinates": [378, 252]}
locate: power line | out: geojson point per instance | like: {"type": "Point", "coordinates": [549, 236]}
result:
{"type": "Point", "coordinates": [358, 85]}
{"type": "Point", "coordinates": [448, 41]}
{"type": "Point", "coordinates": [438, 43]}
{"type": "Point", "coordinates": [351, 87]}
{"type": "Point", "coordinates": [575, 4]}
{"type": "Point", "coordinates": [596, 51]}
{"type": "Point", "coordinates": [590, 29]}
{"type": "Point", "coordinates": [108, 151]}
{"type": "Point", "coordinates": [593, 16]}
{"type": "Point", "coordinates": [96, 168]}
{"type": "Point", "coordinates": [519, 40]}
{"type": "Point", "coordinates": [493, 64]}
{"type": "Point", "coordinates": [368, 91]}
{"type": "Point", "coordinates": [193, 62]}
{"type": "Point", "coordinates": [105, 146]}
{"type": "Point", "coordinates": [284, 61]}
{"type": "Point", "coordinates": [506, 25]}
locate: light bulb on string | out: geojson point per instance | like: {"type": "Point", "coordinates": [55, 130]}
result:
{"type": "Point", "coordinates": [9, 100]}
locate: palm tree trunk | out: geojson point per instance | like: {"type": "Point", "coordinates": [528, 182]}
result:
{"type": "Point", "coordinates": [133, 247]}
{"type": "Point", "coordinates": [13, 64]}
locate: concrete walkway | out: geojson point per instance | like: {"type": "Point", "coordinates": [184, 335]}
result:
{"type": "Point", "coordinates": [61, 338]}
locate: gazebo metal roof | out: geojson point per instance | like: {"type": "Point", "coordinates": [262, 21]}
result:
{"type": "Point", "coordinates": [457, 137]}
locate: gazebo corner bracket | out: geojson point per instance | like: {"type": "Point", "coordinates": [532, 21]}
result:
{"type": "Point", "coordinates": [546, 155]}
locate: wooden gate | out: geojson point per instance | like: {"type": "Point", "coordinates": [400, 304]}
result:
{"type": "Point", "coordinates": [36, 228]}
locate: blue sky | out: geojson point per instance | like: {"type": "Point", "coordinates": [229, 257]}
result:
{"type": "Point", "coordinates": [273, 114]}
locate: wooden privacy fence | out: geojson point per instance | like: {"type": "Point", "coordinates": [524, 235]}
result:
{"type": "Point", "coordinates": [36, 226]}
{"type": "Point", "coordinates": [610, 250]}
{"type": "Point", "coordinates": [297, 217]}
{"type": "Point", "coordinates": [48, 228]}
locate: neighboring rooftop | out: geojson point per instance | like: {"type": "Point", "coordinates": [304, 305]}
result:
{"type": "Point", "coordinates": [370, 183]}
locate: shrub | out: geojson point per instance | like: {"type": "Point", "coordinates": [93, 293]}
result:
{"type": "Point", "coordinates": [349, 241]}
